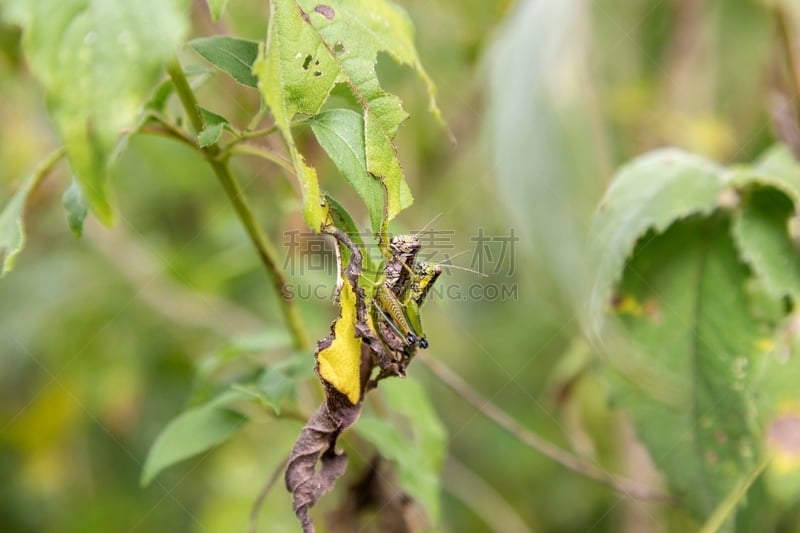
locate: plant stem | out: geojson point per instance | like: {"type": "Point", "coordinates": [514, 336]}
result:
{"type": "Point", "coordinates": [259, 239]}
{"type": "Point", "coordinates": [577, 464]}
{"type": "Point", "coordinates": [727, 506]}
{"type": "Point", "coordinates": [250, 149]}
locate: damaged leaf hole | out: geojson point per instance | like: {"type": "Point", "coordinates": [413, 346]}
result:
{"type": "Point", "coordinates": [338, 48]}
{"type": "Point", "coordinates": [326, 11]}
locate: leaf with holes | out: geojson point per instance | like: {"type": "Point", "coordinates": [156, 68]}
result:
{"type": "Point", "coordinates": [98, 60]}
{"type": "Point", "coordinates": [230, 54]}
{"type": "Point", "coordinates": [311, 47]}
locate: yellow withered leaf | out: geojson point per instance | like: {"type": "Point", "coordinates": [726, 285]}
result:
{"type": "Point", "coordinates": [340, 363]}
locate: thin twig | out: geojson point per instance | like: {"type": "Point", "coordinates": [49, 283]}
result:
{"type": "Point", "coordinates": [259, 239]}
{"type": "Point", "coordinates": [262, 495]}
{"type": "Point", "coordinates": [258, 151]}
{"type": "Point", "coordinates": [628, 487]}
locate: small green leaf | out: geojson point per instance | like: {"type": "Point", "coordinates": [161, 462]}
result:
{"type": "Point", "coordinates": [214, 124]}
{"type": "Point", "coordinates": [762, 235]}
{"type": "Point", "coordinates": [12, 226]}
{"type": "Point", "coordinates": [98, 61]}
{"type": "Point", "coordinates": [192, 432]}
{"type": "Point", "coordinates": [649, 193]}
{"type": "Point", "coordinates": [217, 7]}
{"type": "Point", "coordinates": [231, 55]}
{"type": "Point", "coordinates": [342, 220]}
{"type": "Point", "coordinates": [415, 474]}
{"type": "Point", "coordinates": [75, 207]}
{"type": "Point", "coordinates": [340, 132]}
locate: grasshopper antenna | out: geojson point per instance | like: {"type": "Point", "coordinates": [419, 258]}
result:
{"type": "Point", "coordinates": [428, 225]}
{"type": "Point", "coordinates": [465, 269]}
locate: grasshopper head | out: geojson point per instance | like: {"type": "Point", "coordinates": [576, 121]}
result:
{"type": "Point", "coordinates": [404, 244]}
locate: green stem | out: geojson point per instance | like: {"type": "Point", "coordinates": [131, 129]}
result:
{"type": "Point", "coordinates": [250, 149]}
{"type": "Point", "coordinates": [727, 506]}
{"type": "Point", "coordinates": [262, 244]}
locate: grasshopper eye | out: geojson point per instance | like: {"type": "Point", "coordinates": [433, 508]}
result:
{"type": "Point", "coordinates": [423, 343]}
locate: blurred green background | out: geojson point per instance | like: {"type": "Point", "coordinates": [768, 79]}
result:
{"type": "Point", "coordinates": [102, 338]}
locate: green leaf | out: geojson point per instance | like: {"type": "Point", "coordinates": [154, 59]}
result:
{"type": "Point", "coordinates": [342, 220]}
{"type": "Point", "coordinates": [687, 315]}
{"type": "Point", "coordinates": [98, 60]}
{"type": "Point", "coordinates": [278, 381]}
{"type": "Point", "coordinates": [192, 432]}
{"type": "Point", "coordinates": [75, 207]}
{"type": "Point", "coordinates": [12, 227]}
{"type": "Point", "coordinates": [340, 132]}
{"type": "Point", "coordinates": [214, 124]}
{"type": "Point", "coordinates": [409, 398]}
{"type": "Point", "coordinates": [761, 230]}
{"type": "Point", "coordinates": [650, 193]}
{"type": "Point", "coordinates": [229, 54]}
{"type": "Point", "coordinates": [313, 46]}
{"type": "Point", "coordinates": [415, 474]}
{"type": "Point", "coordinates": [217, 7]}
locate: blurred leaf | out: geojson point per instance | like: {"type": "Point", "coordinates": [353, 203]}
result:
{"type": "Point", "coordinates": [12, 226]}
{"type": "Point", "coordinates": [546, 138]}
{"type": "Point", "coordinates": [761, 232]}
{"type": "Point", "coordinates": [192, 432]}
{"type": "Point", "coordinates": [279, 380]}
{"type": "Point", "coordinates": [229, 54]}
{"type": "Point", "coordinates": [312, 48]}
{"type": "Point", "coordinates": [409, 398]}
{"type": "Point", "coordinates": [415, 473]}
{"type": "Point", "coordinates": [214, 124]}
{"type": "Point", "coordinates": [217, 7]}
{"type": "Point", "coordinates": [340, 132]}
{"type": "Point", "coordinates": [691, 322]}
{"type": "Point", "coordinates": [649, 193]}
{"type": "Point", "coordinates": [75, 207]}
{"type": "Point", "coordinates": [98, 60]}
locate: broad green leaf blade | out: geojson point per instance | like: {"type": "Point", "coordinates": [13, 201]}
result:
{"type": "Point", "coordinates": [98, 60]}
{"type": "Point", "coordinates": [193, 432]}
{"type": "Point", "coordinates": [415, 474]}
{"type": "Point", "coordinates": [548, 156]}
{"type": "Point", "coordinates": [75, 207]}
{"type": "Point", "coordinates": [340, 132]}
{"type": "Point", "coordinates": [12, 226]}
{"type": "Point", "coordinates": [688, 316]}
{"type": "Point", "coordinates": [649, 193]}
{"type": "Point", "coordinates": [761, 230]}
{"type": "Point", "coordinates": [229, 54]}
{"type": "Point", "coordinates": [217, 8]}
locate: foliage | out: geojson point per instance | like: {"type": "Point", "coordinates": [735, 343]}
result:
{"type": "Point", "coordinates": [151, 382]}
